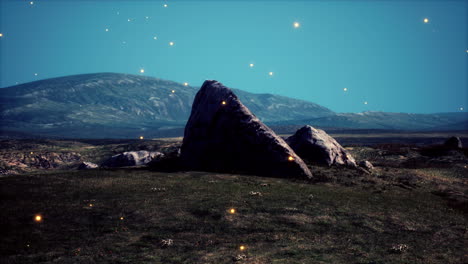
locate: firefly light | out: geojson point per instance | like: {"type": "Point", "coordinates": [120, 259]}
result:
{"type": "Point", "coordinates": [251, 65]}
{"type": "Point", "coordinates": [426, 20]}
{"type": "Point", "coordinates": [270, 73]}
{"type": "Point", "coordinates": [232, 211]}
{"type": "Point", "coordinates": [107, 30]}
{"type": "Point", "coordinates": [185, 83]}
{"type": "Point", "coordinates": [165, 5]}
{"type": "Point", "coordinates": [461, 108]}
{"type": "Point", "coordinates": [171, 43]}
{"type": "Point", "coordinates": [296, 25]}
{"type": "Point", "coordinates": [121, 218]}
{"type": "Point", "coordinates": [155, 38]}
{"type": "Point", "coordinates": [32, 152]}
{"type": "Point", "coordinates": [35, 74]}
{"type": "Point", "coordinates": [223, 102]}
{"type": "Point", "coordinates": [365, 102]}
{"type": "Point", "coordinates": [141, 137]}
{"type": "Point", "coordinates": [242, 247]}
{"type": "Point", "coordinates": [31, 3]}
{"type": "Point", "coordinates": [291, 158]}
{"type": "Point", "coordinates": [90, 205]}
{"type": "Point", "coordinates": [345, 89]}
{"type": "Point", "coordinates": [142, 70]}
{"type": "Point", "coordinates": [1, 35]}
{"type": "Point", "coordinates": [38, 218]}
{"type": "Point", "coordinates": [173, 91]}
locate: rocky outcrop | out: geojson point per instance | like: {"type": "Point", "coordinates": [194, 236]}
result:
{"type": "Point", "coordinates": [317, 146]}
{"type": "Point", "coordinates": [366, 165]}
{"type": "Point", "coordinates": [223, 135]}
{"type": "Point", "coordinates": [85, 165]}
{"type": "Point", "coordinates": [132, 158]}
{"type": "Point", "coordinates": [453, 143]}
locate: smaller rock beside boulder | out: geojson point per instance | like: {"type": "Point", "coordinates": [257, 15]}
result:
{"type": "Point", "coordinates": [366, 165]}
{"type": "Point", "coordinates": [317, 146]}
{"type": "Point", "coordinates": [87, 165]}
{"type": "Point", "coordinates": [453, 143]}
{"type": "Point", "coordinates": [132, 158]}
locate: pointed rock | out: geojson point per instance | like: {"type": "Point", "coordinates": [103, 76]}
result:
{"type": "Point", "coordinates": [317, 146]}
{"type": "Point", "coordinates": [223, 135]}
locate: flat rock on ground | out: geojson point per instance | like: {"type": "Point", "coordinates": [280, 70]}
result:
{"type": "Point", "coordinates": [132, 158]}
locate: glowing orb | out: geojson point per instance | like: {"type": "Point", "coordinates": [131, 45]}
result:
{"type": "Point", "coordinates": [31, 3]}
{"type": "Point", "coordinates": [365, 102]}
{"type": "Point", "coordinates": [173, 91]}
{"type": "Point", "coordinates": [345, 89]}
{"type": "Point", "coordinates": [251, 65]}
{"type": "Point", "coordinates": [185, 83]}
{"type": "Point", "coordinates": [291, 158]}
{"type": "Point", "coordinates": [165, 5]}
{"type": "Point", "coordinates": [129, 20]}
{"type": "Point", "coordinates": [107, 30]}
{"type": "Point", "coordinates": [142, 70]}
{"type": "Point", "coordinates": [1, 35]}
{"type": "Point", "coordinates": [171, 43]}
{"type": "Point", "coordinates": [426, 20]}
{"type": "Point", "coordinates": [35, 74]}
{"type": "Point", "coordinates": [38, 218]}
{"type": "Point", "coordinates": [232, 211]}
{"type": "Point", "coordinates": [296, 24]}
{"type": "Point", "coordinates": [242, 248]}
{"type": "Point", "coordinates": [121, 218]}
{"type": "Point", "coordinates": [223, 102]}
{"type": "Point", "coordinates": [155, 38]}
{"type": "Point", "coordinates": [90, 205]}
{"type": "Point", "coordinates": [461, 108]}
{"type": "Point", "coordinates": [270, 73]}
{"type": "Point", "coordinates": [141, 137]}
{"type": "Point", "coordinates": [32, 152]}
{"type": "Point", "coordinates": [147, 17]}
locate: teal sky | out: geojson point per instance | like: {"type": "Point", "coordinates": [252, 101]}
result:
{"type": "Point", "coordinates": [381, 51]}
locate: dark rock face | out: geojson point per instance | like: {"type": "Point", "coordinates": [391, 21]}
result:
{"type": "Point", "coordinates": [317, 146]}
{"type": "Point", "coordinates": [454, 143]}
{"type": "Point", "coordinates": [132, 158]}
{"type": "Point", "coordinates": [87, 165]}
{"type": "Point", "coordinates": [223, 135]}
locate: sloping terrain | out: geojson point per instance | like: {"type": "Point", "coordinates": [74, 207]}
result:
{"type": "Point", "coordinates": [121, 105]}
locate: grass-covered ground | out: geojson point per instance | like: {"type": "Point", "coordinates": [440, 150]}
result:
{"type": "Point", "coordinates": [127, 215]}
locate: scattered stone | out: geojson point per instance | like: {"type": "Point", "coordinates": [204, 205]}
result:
{"type": "Point", "coordinates": [85, 165]}
{"type": "Point", "coordinates": [454, 143]}
{"type": "Point", "coordinates": [223, 135]}
{"type": "Point", "coordinates": [399, 248]}
{"type": "Point", "coordinates": [239, 257]}
{"type": "Point", "coordinates": [255, 193]}
{"type": "Point", "coordinates": [366, 165]}
{"type": "Point", "coordinates": [158, 189]}
{"type": "Point", "coordinates": [132, 158]}
{"type": "Point", "coordinates": [317, 146]}
{"type": "Point", "coordinates": [166, 243]}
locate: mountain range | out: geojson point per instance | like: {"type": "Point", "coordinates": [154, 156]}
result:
{"type": "Point", "coordinates": [114, 105]}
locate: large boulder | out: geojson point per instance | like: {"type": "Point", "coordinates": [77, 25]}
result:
{"type": "Point", "coordinates": [132, 158]}
{"type": "Point", "coordinates": [223, 135]}
{"type": "Point", "coordinates": [317, 146]}
{"type": "Point", "coordinates": [454, 143]}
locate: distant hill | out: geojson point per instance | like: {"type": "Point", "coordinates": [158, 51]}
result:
{"type": "Point", "coordinates": [122, 105]}
{"type": "Point", "coordinates": [395, 121]}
